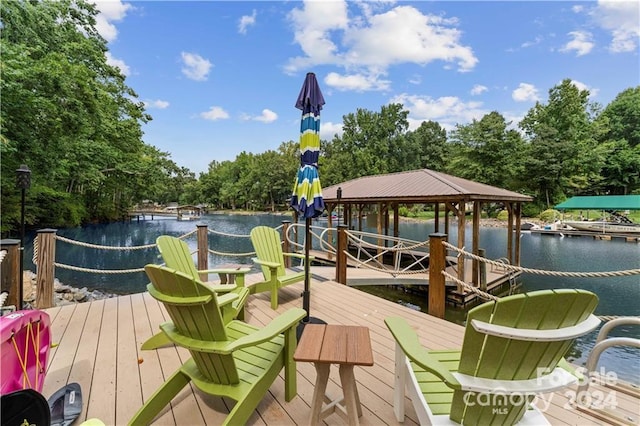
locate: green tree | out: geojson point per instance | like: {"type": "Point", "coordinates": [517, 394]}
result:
{"type": "Point", "coordinates": [562, 158]}
{"type": "Point", "coordinates": [487, 151]}
{"type": "Point", "coordinates": [429, 147]}
{"type": "Point", "coordinates": [67, 114]}
{"type": "Point", "coordinates": [621, 142]}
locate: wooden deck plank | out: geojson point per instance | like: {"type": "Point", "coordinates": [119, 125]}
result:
{"type": "Point", "coordinates": [100, 348]}
{"type": "Point", "coordinates": [128, 391]}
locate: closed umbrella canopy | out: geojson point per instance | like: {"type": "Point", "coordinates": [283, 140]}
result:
{"type": "Point", "coordinates": [307, 191]}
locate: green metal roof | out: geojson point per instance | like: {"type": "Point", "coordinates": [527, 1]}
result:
{"type": "Point", "coordinates": [601, 202]}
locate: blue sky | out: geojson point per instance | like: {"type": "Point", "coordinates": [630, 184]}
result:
{"type": "Point", "coordinates": [222, 77]}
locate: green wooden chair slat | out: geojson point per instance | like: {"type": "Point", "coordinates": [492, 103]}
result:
{"type": "Point", "coordinates": [508, 358]}
{"type": "Point", "coordinates": [228, 359]}
{"type": "Point", "coordinates": [271, 259]}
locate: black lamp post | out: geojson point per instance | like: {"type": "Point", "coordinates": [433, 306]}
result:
{"type": "Point", "coordinates": [339, 194]}
{"type": "Point", "coordinates": [23, 181]}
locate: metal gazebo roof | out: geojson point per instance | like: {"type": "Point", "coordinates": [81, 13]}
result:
{"type": "Point", "coordinates": [417, 186]}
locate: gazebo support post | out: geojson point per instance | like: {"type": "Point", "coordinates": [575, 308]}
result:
{"type": "Point", "coordinates": [437, 264]}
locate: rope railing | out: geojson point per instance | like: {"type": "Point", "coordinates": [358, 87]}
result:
{"type": "Point", "coordinates": [98, 247]}
{"type": "Point", "coordinates": [227, 234]}
{"type": "Point", "coordinates": [222, 253]}
{"type": "Point", "coordinates": [357, 240]}
{"type": "Point", "coordinates": [386, 270]}
{"type": "Point", "coordinates": [627, 272]}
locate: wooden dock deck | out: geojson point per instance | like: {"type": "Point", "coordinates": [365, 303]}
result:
{"type": "Point", "coordinates": [98, 346]}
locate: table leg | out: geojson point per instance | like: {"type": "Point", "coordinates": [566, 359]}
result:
{"type": "Point", "coordinates": [351, 398]}
{"type": "Point", "coordinates": [322, 376]}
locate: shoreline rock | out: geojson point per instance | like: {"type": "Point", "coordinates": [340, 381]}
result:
{"type": "Point", "coordinates": [62, 294]}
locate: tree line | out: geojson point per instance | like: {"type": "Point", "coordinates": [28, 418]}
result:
{"type": "Point", "coordinates": [71, 116]}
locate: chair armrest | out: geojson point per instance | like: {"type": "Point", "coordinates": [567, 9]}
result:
{"type": "Point", "coordinates": [225, 299]}
{"type": "Point", "coordinates": [298, 255]}
{"type": "Point", "coordinates": [223, 288]}
{"type": "Point", "coordinates": [238, 271]}
{"type": "Point", "coordinates": [279, 324]}
{"type": "Point", "coordinates": [265, 263]}
{"type": "Point", "coordinates": [407, 339]}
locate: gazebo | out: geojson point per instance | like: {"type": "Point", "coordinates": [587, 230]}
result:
{"type": "Point", "coordinates": [450, 196]}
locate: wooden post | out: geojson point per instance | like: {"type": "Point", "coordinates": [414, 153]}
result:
{"type": "Point", "coordinates": [286, 246]}
{"type": "Point", "coordinates": [475, 242]}
{"type": "Point", "coordinates": [510, 232]}
{"type": "Point", "coordinates": [10, 271]}
{"type": "Point", "coordinates": [437, 264]}
{"type": "Point", "coordinates": [45, 271]}
{"type": "Point", "coordinates": [483, 271]}
{"type": "Point", "coordinates": [518, 212]}
{"type": "Point", "coordinates": [203, 251]}
{"type": "Point", "coordinates": [436, 211]}
{"type": "Point", "coordinates": [341, 258]}
{"type": "Point", "coordinates": [396, 220]}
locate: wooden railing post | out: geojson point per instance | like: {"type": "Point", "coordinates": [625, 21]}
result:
{"type": "Point", "coordinates": [437, 264]}
{"type": "Point", "coordinates": [341, 256]}
{"type": "Point", "coordinates": [286, 246]}
{"type": "Point", "coordinates": [203, 250]}
{"type": "Point", "coordinates": [10, 271]}
{"type": "Point", "coordinates": [482, 270]}
{"type": "Point", "coordinates": [46, 269]}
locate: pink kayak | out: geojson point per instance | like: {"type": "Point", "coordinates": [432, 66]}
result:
{"type": "Point", "coordinates": [25, 338]}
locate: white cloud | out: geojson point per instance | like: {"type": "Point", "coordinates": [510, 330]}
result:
{"type": "Point", "coordinates": [415, 79]}
{"type": "Point", "coordinates": [537, 40]}
{"type": "Point", "coordinates": [356, 82]}
{"type": "Point", "coordinates": [246, 21]}
{"type": "Point", "coordinates": [577, 8]}
{"type": "Point", "coordinates": [363, 46]}
{"type": "Point", "coordinates": [267, 116]}
{"type": "Point", "coordinates": [582, 43]}
{"type": "Point", "coordinates": [157, 104]}
{"type": "Point", "coordinates": [110, 11]}
{"type": "Point", "coordinates": [447, 110]}
{"type": "Point", "coordinates": [195, 66]}
{"type": "Point", "coordinates": [621, 19]}
{"type": "Point", "coordinates": [593, 92]}
{"type": "Point", "coordinates": [525, 92]}
{"type": "Point", "coordinates": [328, 130]}
{"type": "Point", "coordinates": [215, 113]}
{"type": "Point", "coordinates": [118, 63]}
{"type": "Point", "coordinates": [478, 89]}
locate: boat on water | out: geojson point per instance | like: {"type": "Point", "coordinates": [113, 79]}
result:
{"type": "Point", "coordinates": [603, 226]}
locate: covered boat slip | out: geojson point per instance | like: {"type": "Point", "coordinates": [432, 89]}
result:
{"type": "Point", "coordinates": [603, 214]}
{"type": "Point", "coordinates": [98, 346]}
{"type": "Point", "coordinates": [451, 197]}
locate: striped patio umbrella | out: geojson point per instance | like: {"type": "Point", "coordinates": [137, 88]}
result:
{"type": "Point", "coordinates": [307, 191]}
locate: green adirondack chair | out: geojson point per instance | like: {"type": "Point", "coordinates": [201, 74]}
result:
{"type": "Point", "coordinates": [270, 257]}
{"type": "Point", "coordinates": [512, 350]}
{"type": "Point", "coordinates": [234, 360]}
{"type": "Point", "coordinates": [231, 297]}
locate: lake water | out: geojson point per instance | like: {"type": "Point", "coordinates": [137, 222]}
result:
{"type": "Point", "coordinates": [618, 296]}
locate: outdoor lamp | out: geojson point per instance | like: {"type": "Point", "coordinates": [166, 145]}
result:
{"type": "Point", "coordinates": [23, 182]}
{"type": "Point", "coordinates": [339, 193]}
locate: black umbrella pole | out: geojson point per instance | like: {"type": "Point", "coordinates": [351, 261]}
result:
{"type": "Point", "coordinates": [306, 296]}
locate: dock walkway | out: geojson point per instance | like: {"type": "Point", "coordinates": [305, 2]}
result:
{"type": "Point", "coordinates": [98, 346]}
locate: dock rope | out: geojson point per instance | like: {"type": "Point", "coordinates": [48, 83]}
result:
{"type": "Point", "coordinates": [515, 268]}
{"type": "Point", "coordinates": [98, 247]}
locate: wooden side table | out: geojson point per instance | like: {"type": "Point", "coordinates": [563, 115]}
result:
{"type": "Point", "coordinates": [346, 346]}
